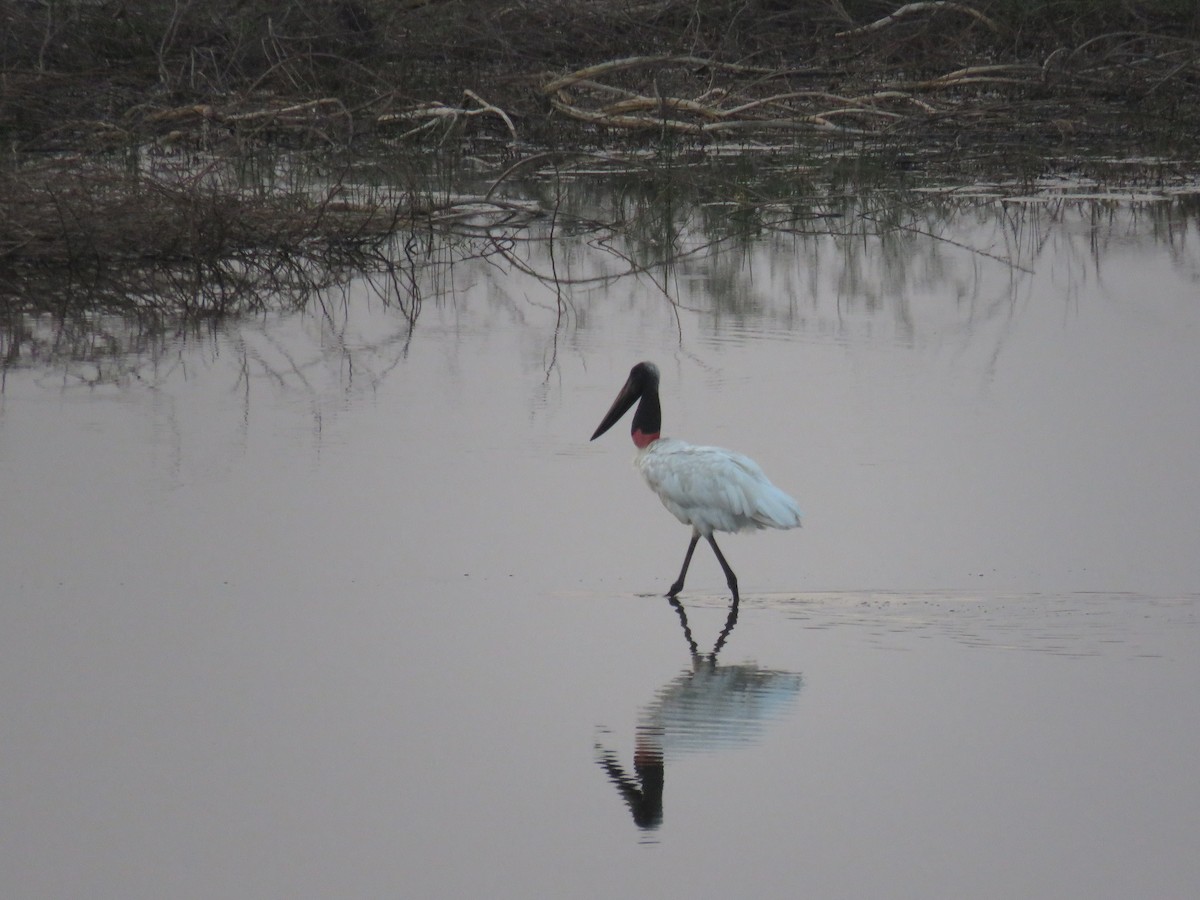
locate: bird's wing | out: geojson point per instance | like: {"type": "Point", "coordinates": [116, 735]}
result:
{"type": "Point", "coordinates": [714, 489]}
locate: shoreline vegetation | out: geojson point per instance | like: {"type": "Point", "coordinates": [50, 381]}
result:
{"type": "Point", "coordinates": [192, 156]}
{"type": "Point", "coordinates": [84, 75]}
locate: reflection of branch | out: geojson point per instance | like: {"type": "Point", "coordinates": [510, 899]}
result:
{"type": "Point", "coordinates": [912, 229]}
{"type": "Point", "coordinates": [559, 302]}
{"type": "Point", "coordinates": [549, 155]}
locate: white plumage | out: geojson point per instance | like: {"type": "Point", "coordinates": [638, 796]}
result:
{"type": "Point", "coordinates": [709, 488]}
{"type": "Point", "coordinates": [714, 489]}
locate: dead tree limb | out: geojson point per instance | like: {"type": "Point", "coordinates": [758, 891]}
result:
{"type": "Point", "coordinates": [910, 9]}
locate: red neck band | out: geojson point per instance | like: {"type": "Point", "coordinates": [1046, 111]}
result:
{"type": "Point", "coordinates": [642, 440]}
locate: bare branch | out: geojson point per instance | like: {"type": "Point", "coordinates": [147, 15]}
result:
{"type": "Point", "coordinates": [910, 9]}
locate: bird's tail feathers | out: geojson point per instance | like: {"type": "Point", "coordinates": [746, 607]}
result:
{"type": "Point", "coordinates": [777, 510]}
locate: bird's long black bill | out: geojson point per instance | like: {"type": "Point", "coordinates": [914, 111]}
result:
{"type": "Point", "coordinates": [628, 396]}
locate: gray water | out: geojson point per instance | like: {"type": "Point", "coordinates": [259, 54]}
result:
{"type": "Point", "coordinates": [343, 603]}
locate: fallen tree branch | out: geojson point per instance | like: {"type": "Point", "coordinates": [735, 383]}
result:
{"type": "Point", "coordinates": [912, 8]}
{"type": "Point", "coordinates": [439, 111]}
{"type": "Point", "coordinates": [722, 123]}
{"type": "Point", "coordinates": [636, 62]}
{"type": "Point", "coordinates": [998, 74]}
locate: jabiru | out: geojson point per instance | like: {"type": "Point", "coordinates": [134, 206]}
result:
{"type": "Point", "coordinates": [709, 488]}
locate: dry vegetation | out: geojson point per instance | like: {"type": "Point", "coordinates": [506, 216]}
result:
{"type": "Point", "coordinates": [104, 73]}
{"type": "Point", "coordinates": [96, 94]}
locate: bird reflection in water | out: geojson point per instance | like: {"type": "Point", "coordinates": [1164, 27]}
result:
{"type": "Point", "coordinates": [706, 707]}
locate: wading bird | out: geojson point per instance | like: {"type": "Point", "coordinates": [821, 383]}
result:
{"type": "Point", "coordinates": [709, 488]}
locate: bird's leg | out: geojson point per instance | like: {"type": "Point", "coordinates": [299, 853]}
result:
{"type": "Point", "coordinates": [730, 578]}
{"type": "Point", "coordinates": [687, 561]}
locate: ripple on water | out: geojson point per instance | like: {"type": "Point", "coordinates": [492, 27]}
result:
{"type": "Point", "coordinates": [1073, 624]}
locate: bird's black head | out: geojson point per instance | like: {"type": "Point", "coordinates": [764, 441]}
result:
{"type": "Point", "coordinates": [641, 384]}
{"type": "Point", "coordinates": [646, 373]}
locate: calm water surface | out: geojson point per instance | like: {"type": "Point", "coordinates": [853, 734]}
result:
{"type": "Point", "coordinates": [326, 605]}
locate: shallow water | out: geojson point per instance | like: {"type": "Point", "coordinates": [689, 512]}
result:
{"type": "Point", "coordinates": [328, 605]}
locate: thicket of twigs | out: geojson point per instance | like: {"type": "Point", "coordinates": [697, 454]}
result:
{"type": "Point", "coordinates": [174, 236]}
{"type": "Point", "coordinates": [98, 73]}
{"type": "Point", "coordinates": [90, 89]}
{"type": "Point", "coordinates": [130, 239]}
